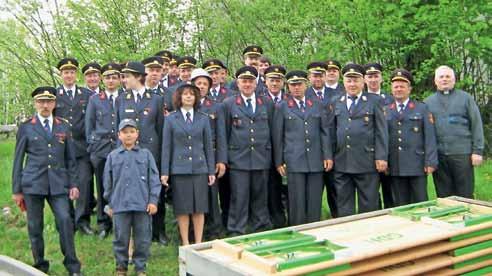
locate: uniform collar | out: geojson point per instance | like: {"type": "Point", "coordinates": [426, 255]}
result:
{"type": "Point", "coordinates": [374, 92]}
{"type": "Point", "coordinates": [121, 148]}
{"type": "Point", "coordinates": [184, 111]}
{"type": "Point", "coordinates": [333, 86]}
{"type": "Point", "coordinates": [50, 119]}
{"type": "Point", "coordinates": [404, 103]}
{"type": "Point", "coordinates": [73, 87]}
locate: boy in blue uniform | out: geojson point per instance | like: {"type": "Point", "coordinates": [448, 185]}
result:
{"type": "Point", "coordinates": [132, 188]}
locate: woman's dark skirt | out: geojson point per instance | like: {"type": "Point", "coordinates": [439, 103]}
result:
{"type": "Point", "coordinates": [190, 193]}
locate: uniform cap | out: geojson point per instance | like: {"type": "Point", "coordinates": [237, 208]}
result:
{"type": "Point", "coordinates": [247, 72]}
{"type": "Point", "coordinates": [296, 76]}
{"type": "Point", "coordinates": [44, 93]}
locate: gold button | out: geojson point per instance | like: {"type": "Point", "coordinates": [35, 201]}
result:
{"type": "Point", "coordinates": [49, 155]}
{"type": "Point", "coordinates": [70, 124]}
{"type": "Point", "coordinates": [251, 130]}
{"type": "Point", "coordinates": [49, 145]}
{"type": "Point", "coordinates": [307, 140]}
{"type": "Point", "coordinates": [399, 123]}
{"type": "Point", "coordinates": [49, 166]}
{"type": "Point", "coordinates": [190, 158]}
{"type": "Point", "coordinates": [251, 121]}
{"type": "Point", "coordinates": [399, 131]}
{"type": "Point", "coordinates": [350, 120]}
{"type": "Point", "coordinates": [70, 117]}
{"type": "Point", "coordinates": [189, 147]}
{"type": "Point", "coordinates": [399, 139]}
{"type": "Point", "coordinates": [307, 132]}
{"type": "Point", "coordinates": [137, 119]}
{"type": "Point", "coordinates": [252, 139]}
{"type": "Point", "coordinates": [112, 115]}
{"type": "Point", "coordinates": [348, 146]}
{"type": "Point", "coordinates": [189, 137]}
{"type": "Point", "coordinates": [399, 148]}
{"type": "Point", "coordinates": [252, 148]}
{"type": "Point", "coordinates": [70, 110]}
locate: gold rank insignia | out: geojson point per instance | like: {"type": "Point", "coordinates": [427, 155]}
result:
{"type": "Point", "coordinates": [399, 73]}
{"type": "Point", "coordinates": [364, 98]}
{"type": "Point", "coordinates": [147, 95]}
{"type": "Point", "coordinates": [212, 63]}
{"type": "Point", "coordinates": [78, 92]}
{"type": "Point", "coordinates": [69, 62]}
{"type": "Point", "coordinates": [415, 129]}
{"type": "Point", "coordinates": [352, 70]}
{"type": "Point", "coordinates": [110, 67]}
{"type": "Point", "coordinates": [128, 96]}
{"type": "Point", "coordinates": [255, 49]}
{"type": "Point", "coordinates": [366, 119]}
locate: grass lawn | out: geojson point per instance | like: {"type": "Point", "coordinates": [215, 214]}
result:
{"type": "Point", "coordinates": [96, 256]}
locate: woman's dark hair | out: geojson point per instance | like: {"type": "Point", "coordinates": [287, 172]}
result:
{"type": "Point", "coordinates": [137, 75]}
{"type": "Point", "coordinates": [179, 94]}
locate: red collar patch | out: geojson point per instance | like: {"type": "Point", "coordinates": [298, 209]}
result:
{"type": "Point", "coordinates": [309, 102]}
{"type": "Point", "coordinates": [290, 103]}
{"type": "Point", "coordinates": [208, 102]}
{"type": "Point", "coordinates": [102, 95]}
{"type": "Point", "coordinates": [259, 101]}
{"type": "Point", "coordinates": [33, 120]}
{"type": "Point", "coordinates": [223, 90]}
{"type": "Point", "coordinates": [57, 121]}
{"type": "Point", "coordinates": [411, 105]}
{"type": "Point", "coordinates": [392, 106]}
{"type": "Point", "coordinates": [238, 100]}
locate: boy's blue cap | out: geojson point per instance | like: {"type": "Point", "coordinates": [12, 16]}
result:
{"type": "Point", "coordinates": [127, 122]}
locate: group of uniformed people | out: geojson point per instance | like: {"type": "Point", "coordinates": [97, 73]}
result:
{"type": "Point", "coordinates": [243, 152]}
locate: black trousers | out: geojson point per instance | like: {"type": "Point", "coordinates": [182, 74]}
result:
{"type": "Point", "coordinates": [213, 219]}
{"type": "Point", "coordinates": [158, 219]}
{"type": "Point", "coordinates": [225, 196]}
{"type": "Point", "coordinates": [455, 176]}
{"type": "Point", "coordinates": [365, 185]}
{"type": "Point", "coordinates": [386, 191]}
{"type": "Point", "coordinates": [276, 191]}
{"type": "Point", "coordinates": [83, 203]}
{"type": "Point", "coordinates": [331, 196]}
{"type": "Point", "coordinates": [103, 220]}
{"type": "Point", "coordinates": [248, 201]}
{"type": "Point", "coordinates": [305, 195]}
{"type": "Point", "coordinates": [409, 189]}
{"type": "Point", "coordinates": [60, 206]}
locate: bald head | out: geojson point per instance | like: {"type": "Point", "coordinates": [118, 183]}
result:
{"type": "Point", "coordinates": [444, 78]}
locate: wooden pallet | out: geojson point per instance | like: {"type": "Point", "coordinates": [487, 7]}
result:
{"type": "Point", "coordinates": [457, 231]}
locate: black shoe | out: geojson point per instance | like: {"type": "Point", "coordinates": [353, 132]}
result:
{"type": "Point", "coordinates": [163, 240]}
{"type": "Point", "coordinates": [85, 229]}
{"type": "Point", "coordinates": [103, 234]}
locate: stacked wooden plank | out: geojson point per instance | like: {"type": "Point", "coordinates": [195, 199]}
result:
{"type": "Point", "coordinates": [439, 237]}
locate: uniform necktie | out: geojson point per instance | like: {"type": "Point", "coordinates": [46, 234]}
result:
{"type": "Point", "coordinates": [352, 105]}
{"type": "Point", "coordinates": [111, 101]}
{"type": "Point", "coordinates": [301, 106]}
{"type": "Point", "coordinates": [401, 107]}
{"type": "Point", "coordinates": [276, 100]}
{"type": "Point", "coordinates": [70, 94]}
{"type": "Point", "coordinates": [139, 97]}
{"type": "Point", "coordinates": [249, 106]}
{"type": "Point", "coordinates": [216, 93]}
{"type": "Point", "coordinates": [320, 95]}
{"type": "Point", "coordinates": [47, 126]}
{"type": "Point", "coordinates": [188, 118]}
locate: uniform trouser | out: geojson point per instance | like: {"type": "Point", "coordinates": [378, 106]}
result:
{"type": "Point", "coordinates": [455, 176]}
{"type": "Point", "coordinates": [225, 196]}
{"type": "Point", "coordinates": [103, 220]}
{"type": "Point", "coordinates": [213, 219]}
{"type": "Point", "coordinates": [331, 196]}
{"type": "Point", "coordinates": [408, 189]}
{"type": "Point", "coordinates": [386, 191]}
{"type": "Point", "coordinates": [82, 205]}
{"type": "Point", "coordinates": [248, 200]}
{"type": "Point", "coordinates": [305, 195]}
{"type": "Point", "coordinates": [60, 206]}
{"type": "Point", "coordinates": [158, 219]}
{"type": "Point", "coordinates": [366, 185]}
{"type": "Point", "coordinates": [275, 205]}
{"type": "Point", "coordinates": [126, 223]}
